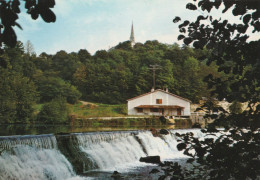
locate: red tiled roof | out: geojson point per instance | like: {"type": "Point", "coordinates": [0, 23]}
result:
{"type": "Point", "coordinates": [160, 91]}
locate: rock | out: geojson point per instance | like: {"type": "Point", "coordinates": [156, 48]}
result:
{"type": "Point", "coordinates": [115, 174]}
{"type": "Point", "coordinates": [163, 119]}
{"type": "Point", "coordinates": [153, 171]}
{"type": "Point", "coordinates": [163, 177]}
{"type": "Point", "coordinates": [164, 131]}
{"type": "Point", "coordinates": [154, 132]}
{"type": "Point", "coordinates": [196, 125]}
{"type": "Point", "coordinates": [151, 159]}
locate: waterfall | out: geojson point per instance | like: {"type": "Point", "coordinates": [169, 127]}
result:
{"type": "Point", "coordinates": [40, 141]}
{"type": "Point", "coordinates": [111, 151]}
{"type": "Point", "coordinates": [33, 157]}
{"type": "Point", "coordinates": [66, 156]}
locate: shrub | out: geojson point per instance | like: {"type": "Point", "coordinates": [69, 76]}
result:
{"type": "Point", "coordinates": [51, 87]}
{"type": "Point", "coordinates": [235, 107]}
{"type": "Point", "coordinates": [123, 109]}
{"type": "Point", "coordinates": [55, 111]}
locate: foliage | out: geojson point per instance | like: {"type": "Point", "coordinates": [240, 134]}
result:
{"type": "Point", "coordinates": [29, 49]}
{"type": "Point", "coordinates": [122, 72]}
{"type": "Point", "coordinates": [109, 77]}
{"type": "Point", "coordinates": [9, 14]}
{"type": "Point", "coordinates": [55, 111]}
{"type": "Point", "coordinates": [51, 87]}
{"type": "Point", "coordinates": [235, 107]}
{"type": "Point", "coordinates": [65, 64]}
{"type": "Point", "coordinates": [17, 97]}
{"type": "Point", "coordinates": [234, 152]}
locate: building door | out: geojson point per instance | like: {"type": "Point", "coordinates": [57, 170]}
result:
{"type": "Point", "coordinates": [179, 112]}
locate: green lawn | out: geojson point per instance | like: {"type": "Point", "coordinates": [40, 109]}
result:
{"type": "Point", "coordinates": [98, 110]}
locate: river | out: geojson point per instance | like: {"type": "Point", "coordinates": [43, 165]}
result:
{"type": "Point", "coordinates": [89, 154]}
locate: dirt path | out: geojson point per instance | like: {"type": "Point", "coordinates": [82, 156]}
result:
{"type": "Point", "coordinates": [85, 103]}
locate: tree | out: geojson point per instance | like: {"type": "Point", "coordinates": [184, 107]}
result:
{"type": "Point", "coordinates": [9, 14]}
{"type": "Point", "coordinates": [234, 54]}
{"type": "Point", "coordinates": [50, 87]}
{"type": "Point", "coordinates": [234, 154]}
{"type": "Point", "coordinates": [84, 56]}
{"type": "Point", "coordinates": [55, 111]}
{"type": "Point", "coordinates": [66, 64]}
{"type": "Point", "coordinates": [29, 49]}
{"type": "Point", "coordinates": [17, 97]}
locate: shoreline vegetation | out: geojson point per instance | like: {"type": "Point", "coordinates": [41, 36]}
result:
{"type": "Point", "coordinates": [91, 114]}
{"type": "Point", "coordinates": [108, 77]}
{"type": "Point", "coordinates": [90, 117]}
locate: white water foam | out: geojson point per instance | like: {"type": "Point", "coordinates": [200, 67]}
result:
{"type": "Point", "coordinates": [122, 151]}
{"type": "Point", "coordinates": [119, 153]}
{"type": "Point", "coordinates": [38, 157]}
{"type": "Point", "coordinates": [27, 158]}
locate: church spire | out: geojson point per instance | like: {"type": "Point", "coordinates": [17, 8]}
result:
{"type": "Point", "coordinates": [132, 36]}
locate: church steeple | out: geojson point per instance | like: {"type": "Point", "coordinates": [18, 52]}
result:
{"type": "Point", "coordinates": [132, 36]}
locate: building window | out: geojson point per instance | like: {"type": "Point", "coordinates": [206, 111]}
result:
{"type": "Point", "coordinates": [158, 101]}
{"type": "Point", "coordinates": [154, 110]}
{"type": "Point", "coordinates": [140, 110]}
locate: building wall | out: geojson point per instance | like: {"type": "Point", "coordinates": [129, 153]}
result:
{"type": "Point", "coordinates": [150, 99]}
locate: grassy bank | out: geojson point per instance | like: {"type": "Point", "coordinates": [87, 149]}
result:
{"type": "Point", "coordinates": [92, 110]}
{"type": "Point", "coordinates": [96, 114]}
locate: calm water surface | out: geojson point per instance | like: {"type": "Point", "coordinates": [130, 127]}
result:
{"type": "Point", "coordinates": [26, 129]}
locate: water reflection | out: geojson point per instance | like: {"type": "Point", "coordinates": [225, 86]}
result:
{"type": "Point", "coordinates": [26, 129]}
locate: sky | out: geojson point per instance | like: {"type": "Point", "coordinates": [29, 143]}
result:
{"type": "Point", "coordinates": [101, 24]}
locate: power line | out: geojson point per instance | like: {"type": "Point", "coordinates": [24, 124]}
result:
{"type": "Point", "coordinates": [154, 68]}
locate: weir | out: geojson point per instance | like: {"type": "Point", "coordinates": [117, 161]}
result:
{"type": "Point", "coordinates": [72, 155]}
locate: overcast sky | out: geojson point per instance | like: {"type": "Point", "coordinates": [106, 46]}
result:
{"type": "Point", "coordinates": [101, 24]}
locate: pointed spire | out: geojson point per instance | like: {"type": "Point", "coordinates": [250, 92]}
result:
{"type": "Point", "coordinates": [132, 36]}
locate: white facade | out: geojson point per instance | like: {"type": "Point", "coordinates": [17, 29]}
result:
{"type": "Point", "coordinates": [159, 103]}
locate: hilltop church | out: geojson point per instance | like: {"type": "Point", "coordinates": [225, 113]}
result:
{"type": "Point", "coordinates": [157, 102]}
{"type": "Point", "coordinates": [132, 36]}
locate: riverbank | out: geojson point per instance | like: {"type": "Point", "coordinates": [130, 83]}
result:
{"type": "Point", "coordinates": [85, 110]}
{"type": "Point", "coordinates": [88, 126]}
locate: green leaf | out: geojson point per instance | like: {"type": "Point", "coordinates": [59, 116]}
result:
{"type": "Point", "coordinates": [191, 6]}
{"type": "Point", "coordinates": [9, 37]}
{"type": "Point", "coordinates": [187, 41]}
{"type": "Point", "coordinates": [18, 25]}
{"type": "Point", "coordinates": [176, 19]}
{"type": "Point", "coordinates": [47, 15]}
{"type": "Point", "coordinates": [180, 37]}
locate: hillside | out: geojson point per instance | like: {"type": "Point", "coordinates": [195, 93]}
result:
{"type": "Point", "coordinates": [107, 77]}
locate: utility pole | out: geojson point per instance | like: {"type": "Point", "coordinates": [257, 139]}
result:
{"type": "Point", "coordinates": [154, 68]}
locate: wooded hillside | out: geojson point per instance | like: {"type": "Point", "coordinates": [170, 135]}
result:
{"type": "Point", "coordinates": [110, 77]}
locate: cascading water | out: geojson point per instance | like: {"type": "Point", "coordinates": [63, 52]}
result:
{"type": "Point", "coordinates": [111, 151]}
{"type": "Point", "coordinates": [50, 157]}
{"type": "Point", "coordinates": [33, 157]}
{"type": "Point", "coordinates": [122, 150]}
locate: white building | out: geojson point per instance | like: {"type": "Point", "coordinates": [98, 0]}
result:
{"type": "Point", "coordinates": [159, 102]}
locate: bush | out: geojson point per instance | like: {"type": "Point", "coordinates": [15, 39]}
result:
{"type": "Point", "coordinates": [123, 109]}
{"type": "Point", "coordinates": [55, 111]}
{"type": "Point", "coordinates": [235, 107]}
{"type": "Point", "coordinates": [51, 87]}
{"type": "Point", "coordinates": [17, 97]}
